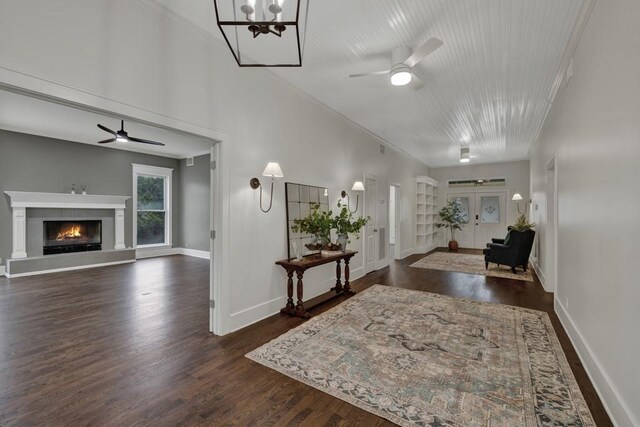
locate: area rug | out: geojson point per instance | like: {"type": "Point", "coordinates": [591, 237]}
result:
{"type": "Point", "coordinates": [417, 358]}
{"type": "Point", "coordinates": [469, 263]}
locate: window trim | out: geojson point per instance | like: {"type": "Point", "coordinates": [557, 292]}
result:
{"type": "Point", "coordinates": [167, 174]}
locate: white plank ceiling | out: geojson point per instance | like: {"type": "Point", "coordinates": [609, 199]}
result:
{"type": "Point", "coordinates": [487, 87]}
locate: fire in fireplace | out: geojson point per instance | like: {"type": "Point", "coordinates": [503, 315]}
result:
{"type": "Point", "coordinates": [72, 236]}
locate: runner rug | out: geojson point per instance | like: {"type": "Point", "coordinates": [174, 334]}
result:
{"type": "Point", "coordinates": [469, 263]}
{"type": "Point", "coordinates": [417, 358]}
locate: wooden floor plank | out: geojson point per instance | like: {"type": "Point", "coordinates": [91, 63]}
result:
{"type": "Point", "coordinates": [128, 344]}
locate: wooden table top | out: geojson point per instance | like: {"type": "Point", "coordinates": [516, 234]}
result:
{"type": "Point", "coordinates": [313, 260]}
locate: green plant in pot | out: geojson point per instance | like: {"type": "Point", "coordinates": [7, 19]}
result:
{"type": "Point", "coordinates": [318, 223]}
{"type": "Point", "coordinates": [345, 224]}
{"type": "Point", "coordinates": [523, 224]}
{"type": "Point", "coordinates": [451, 217]}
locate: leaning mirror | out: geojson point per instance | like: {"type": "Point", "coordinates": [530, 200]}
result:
{"type": "Point", "coordinates": [300, 198]}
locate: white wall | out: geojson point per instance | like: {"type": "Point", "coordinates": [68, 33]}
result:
{"type": "Point", "coordinates": [594, 130]}
{"type": "Point", "coordinates": [516, 175]}
{"type": "Point", "coordinates": [118, 55]}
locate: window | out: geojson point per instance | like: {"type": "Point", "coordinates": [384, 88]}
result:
{"type": "Point", "coordinates": [152, 206]}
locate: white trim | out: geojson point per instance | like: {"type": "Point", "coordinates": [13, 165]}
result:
{"type": "Point", "coordinates": [78, 267]}
{"type": "Point", "coordinates": [539, 273]}
{"type": "Point", "coordinates": [611, 398]}
{"type": "Point", "coordinates": [2, 270]}
{"type": "Point", "coordinates": [248, 316]}
{"type": "Point", "coordinates": [27, 199]}
{"type": "Point", "coordinates": [407, 253]}
{"type": "Point", "coordinates": [195, 253]}
{"type": "Point", "coordinates": [157, 251]}
{"type": "Point", "coordinates": [154, 171]}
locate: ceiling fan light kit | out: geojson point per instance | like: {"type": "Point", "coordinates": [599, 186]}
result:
{"type": "Point", "coordinates": [123, 137]}
{"type": "Point", "coordinates": [403, 61]}
{"type": "Point", "coordinates": [464, 155]}
{"type": "Point", "coordinates": [264, 33]}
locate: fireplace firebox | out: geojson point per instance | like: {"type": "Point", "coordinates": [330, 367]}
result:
{"type": "Point", "coordinates": [72, 236]}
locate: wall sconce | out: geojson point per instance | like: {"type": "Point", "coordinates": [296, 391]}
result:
{"type": "Point", "coordinates": [273, 170]}
{"type": "Point", "coordinates": [518, 198]}
{"type": "Point", "coordinates": [357, 186]}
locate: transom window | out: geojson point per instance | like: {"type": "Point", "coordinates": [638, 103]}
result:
{"type": "Point", "coordinates": [152, 206]}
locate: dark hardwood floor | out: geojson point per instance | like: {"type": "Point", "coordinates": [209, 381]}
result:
{"type": "Point", "coordinates": [128, 345]}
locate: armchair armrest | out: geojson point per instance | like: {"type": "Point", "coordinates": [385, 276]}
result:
{"type": "Point", "coordinates": [501, 241]}
{"type": "Point", "coordinates": [497, 247]}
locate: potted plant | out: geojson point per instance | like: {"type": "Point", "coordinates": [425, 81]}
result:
{"type": "Point", "coordinates": [451, 217]}
{"type": "Point", "coordinates": [523, 224]}
{"type": "Point", "coordinates": [345, 225]}
{"type": "Point", "coordinates": [318, 224]}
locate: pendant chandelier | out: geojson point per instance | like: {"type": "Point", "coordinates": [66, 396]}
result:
{"type": "Point", "coordinates": [264, 33]}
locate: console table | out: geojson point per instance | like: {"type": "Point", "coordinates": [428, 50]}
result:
{"type": "Point", "coordinates": [299, 267]}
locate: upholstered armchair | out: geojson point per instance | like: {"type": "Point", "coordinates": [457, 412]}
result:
{"type": "Point", "coordinates": [513, 250]}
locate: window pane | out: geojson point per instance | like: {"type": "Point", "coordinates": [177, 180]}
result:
{"type": "Point", "coordinates": [464, 207]}
{"type": "Point", "coordinates": [150, 192]}
{"type": "Point", "coordinates": [150, 228]}
{"type": "Point", "coordinates": [489, 209]}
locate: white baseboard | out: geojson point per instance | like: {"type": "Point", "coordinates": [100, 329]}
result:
{"type": "Point", "coordinates": [539, 273]}
{"type": "Point", "coordinates": [248, 316]}
{"type": "Point", "coordinates": [2, 270]}
{"type": "Point", "coordinates": [167, 251]}
{"type": "Point", "coordinates": [58, 270]}
{"type": "Point", "coordinates": [407, 253]}
{"type": "Point", "coordinates": [155, 252]}
{"type": "Point", "coordinates": [195, 253]}
{"type": "Point", "coordinates": [612, 401]}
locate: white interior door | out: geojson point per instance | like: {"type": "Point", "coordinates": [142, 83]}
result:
{"type": "Point", "coordinates": [466, 236]}
{"type": "Point", "coordinates": [371, 229]}
{"type": "Point", "coordinates": [490, 217]}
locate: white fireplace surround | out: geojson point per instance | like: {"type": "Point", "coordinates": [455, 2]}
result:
{"type": "Point", "coordinates": [22, 200]}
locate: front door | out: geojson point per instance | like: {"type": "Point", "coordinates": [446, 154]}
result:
{"type": "Point", "coordinates": [490, 218]}
{"type": "Point", "coordinates": [466, 236]}
{"type": "Point", "coordinates": [486, 218]}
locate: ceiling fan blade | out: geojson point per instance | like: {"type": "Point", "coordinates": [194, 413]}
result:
{"type": "Point", "coordinates": [106, 129]}
{"type": "Point", "coordinates": [423, 51]}
{"type": "Point", "coordinates": [375, 73]}
{"type": "Point", "coordinates": [416, 83]}
{"type": "Point", "coordinates": [144, 141]}
{"type": "Point", "coordinates": [106, 141]}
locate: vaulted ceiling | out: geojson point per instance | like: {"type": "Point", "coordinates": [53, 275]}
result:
{"type": "Point", "coordinates": [488, 87]}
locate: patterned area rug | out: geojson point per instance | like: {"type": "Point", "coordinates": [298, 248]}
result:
{"type": "Point", "coordinates": [417, 358]}
{"type": "Point", "coordinates": [469, 263]}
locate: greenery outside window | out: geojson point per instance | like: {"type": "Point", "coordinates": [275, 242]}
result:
{"type": "Point", "coordinates": [152, 206]}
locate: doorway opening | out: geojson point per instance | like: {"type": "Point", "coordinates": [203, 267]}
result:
{"type": "Point", "coordinates": [394, 221]}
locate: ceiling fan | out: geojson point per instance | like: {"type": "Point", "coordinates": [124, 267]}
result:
{"type": "Point", "coordinates": [403, 61]}
{"type": "Point", "coordinates": [123, 136]}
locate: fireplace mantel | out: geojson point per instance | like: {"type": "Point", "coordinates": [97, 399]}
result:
{"type": "Point", "coordinates": [21, 200]}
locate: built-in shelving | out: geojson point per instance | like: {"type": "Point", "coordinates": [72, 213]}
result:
{"type": "Point", "coordinates": [426, 210]}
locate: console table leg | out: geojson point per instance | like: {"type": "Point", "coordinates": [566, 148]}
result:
{"type": "Point", "coordinates": [338, 273]}
{"type": "Point", "coordinates": [290, 307]}
{"type": "Point", "coordinates": [300, 310]}
{"type": "Point", "coordinates": [347, 286]}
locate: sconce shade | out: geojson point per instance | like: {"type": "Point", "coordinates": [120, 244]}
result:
{"type": "Point", "coordinates": [264, 33]}
{"type": "Point", "coordinates": [273, 170]}
{"type": "Point", "coordinates": [357, 186]}
{"type": "Point", "coordinates": [516, 197]}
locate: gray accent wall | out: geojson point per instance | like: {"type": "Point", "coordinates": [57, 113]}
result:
{"type": "Point", "coordinates": [195, 203]}
{"type": "Point", "coordinates": [34, 163]}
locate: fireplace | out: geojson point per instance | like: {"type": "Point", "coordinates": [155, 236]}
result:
{"type": "Point", "coordinates": [72, 236]}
